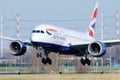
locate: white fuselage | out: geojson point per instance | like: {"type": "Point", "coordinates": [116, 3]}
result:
{"type": "Point", "coordinates": [59, 36]}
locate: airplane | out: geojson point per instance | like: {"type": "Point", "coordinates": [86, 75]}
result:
{"type": "Point", "coordinates": [63, 41]}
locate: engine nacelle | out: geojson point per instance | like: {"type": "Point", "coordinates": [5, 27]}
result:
{"type": "Point", "coordinates": [17, 48]}
{"type": "Point", "coordinates": [97, 49]}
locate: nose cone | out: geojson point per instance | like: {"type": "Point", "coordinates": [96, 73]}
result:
{"type": "Point", "coordinates": [33, 37]}
{"type": "Point", "coordinates": [39, 40]}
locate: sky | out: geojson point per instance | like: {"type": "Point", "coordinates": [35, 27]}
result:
{"type": "Point", "coordinates": [71, 14]}
{"type": "Point", "coordinates": [55, 8]}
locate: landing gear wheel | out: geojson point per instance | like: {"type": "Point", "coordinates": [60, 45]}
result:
{"type": "Point", "coordinates": [85, 61]}
{"type": "Point", "coordinates": [88, 61]}
{"type": "Point", "coordinates": [44, 61]}
{"type": "Point", "coordinates": [38, 54]}
{"type": "Point", "coordinates": [49, 61]}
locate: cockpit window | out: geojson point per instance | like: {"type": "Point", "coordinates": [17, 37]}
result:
{"type": "Point", "coordinates": [42, 31]}
{"type": "Point", "coordinates": [38, 31]}
{"type": "Point", "coordinates": [33, 31]}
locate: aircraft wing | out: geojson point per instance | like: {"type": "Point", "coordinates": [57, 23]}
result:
{"type": "Point", "coordinates": [13, 39]}
{"type": "Point", "coordinates": [8, 38]}
{"type": "Point", "coordinates": [110, 43]}
{"type": "Point", "coordinates": [84, 45]}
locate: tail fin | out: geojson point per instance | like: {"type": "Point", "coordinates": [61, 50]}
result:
{"type": "Point", "coordinates": [91, 28]}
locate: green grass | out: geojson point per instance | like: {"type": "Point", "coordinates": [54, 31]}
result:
{"type": "Point", "coordinates": [61, 77]}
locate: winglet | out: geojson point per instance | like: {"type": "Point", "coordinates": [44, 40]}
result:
{"type": "Point", "coordinates": [91, 28]}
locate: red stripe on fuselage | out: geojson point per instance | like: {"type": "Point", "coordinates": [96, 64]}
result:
{"type": "Point", "coordinates": [53, 30]}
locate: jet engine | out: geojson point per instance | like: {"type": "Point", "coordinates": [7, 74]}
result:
{"type": "Point", "coordinates": [97, 49]}
{"type": "Point", "coordinates": [17, 48]}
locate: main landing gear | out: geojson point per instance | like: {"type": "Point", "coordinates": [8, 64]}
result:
{"type": "Point", "coordinates": [46, 60]}
{"type": "Point", "coordinates": [85, 60]}
{"type": "Point", "coordinates": [44, 55]}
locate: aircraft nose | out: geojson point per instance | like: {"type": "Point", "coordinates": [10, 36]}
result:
{"type": "Point", "coordinates": [33, 37]}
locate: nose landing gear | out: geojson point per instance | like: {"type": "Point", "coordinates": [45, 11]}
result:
{"type": "Point", "coordinates": [44, 55]}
